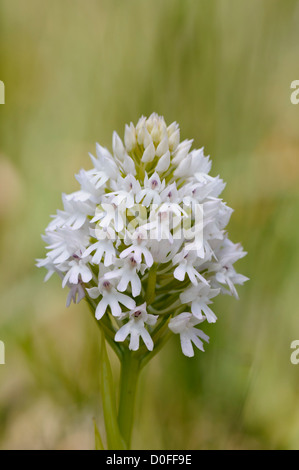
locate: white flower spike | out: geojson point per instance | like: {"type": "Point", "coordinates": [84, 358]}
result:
{"type": "Point", "coordinates": [146, 227]}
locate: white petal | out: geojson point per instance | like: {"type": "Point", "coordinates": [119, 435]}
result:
{"type": "Point", "coordinates": [180, 272]}
{"type": "Point", "coordinates": [65, 279]}
{"type": "Point", "coordinates": [130, 137]}
{"type": "Point", "coordinates": [136, 285]}
{"type": "Point", "coordinates": [201, 334]}
{"type": "Point", "coordinates": [148, 257]}
{"type": "Point", "coordinates": [179, 323]}
{"type": "Point", "coordinates": [134, 340]}
{"type": "Point", "coordinates": [118, 146]}
{"type": "Point", "coordinates": [123, 332]}
{"type": "Point", "coordinates": [115, 307]}
{"type": "Point", "coordinates": [74, 275]}
{"type": "Point", "coordinates": [101, 308]}
{"type": "Point", "coordinates": [211, 317]}
{"type": "Point", "coordinates": [196, 309]}
{"type": "Point", "coordinates": [174, 140]}
{"type": "Point", "coordinates": [86, 274]}
{"type": "Point", "coordinates": [149, 153]}
{"type": "Point", "coordinates": [69, 298]}
{"type": "Point", "coordinates": [147, 339]}
{"type": "Point", "coordinates": [198, 343]}
{"type": "Point", "coordinates": [89, 250]}
{"type": "Point", "coordinates": [151, 319]}
{"type": "Point", "coordinates": [93, 292]}
{"type": "Point", "coordinates": [192, 275]}
{"type": "Point", "coordinates": [164, 162]}
{"type": "Point", "coordinates": [123, 284]}
{"type": "Point", "coordinates": [81, 294]}
{"type": "Point", "coordinates": [126, 300]}
{"type": "Point", "coordinates": [162, 147]}
{"type": "Point", "coordinates": [186, 345]}
{"type": "Point", "coordinates": [108, 260]}
{"type": "Point", "coordinates": [126, 252]}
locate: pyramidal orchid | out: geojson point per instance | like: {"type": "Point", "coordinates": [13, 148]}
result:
{"type": "Point", "coordinates": [144, 242]}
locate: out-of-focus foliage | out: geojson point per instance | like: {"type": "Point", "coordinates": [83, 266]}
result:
{"type": "Point", "coordinates": [74, 71]}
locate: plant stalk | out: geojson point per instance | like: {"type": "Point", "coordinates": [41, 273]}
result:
{"type": "Point", "coordinates": [130, 368]}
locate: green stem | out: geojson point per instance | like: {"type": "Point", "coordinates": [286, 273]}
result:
{"type": "Point", "coordinates": [114, 439]}
{"type": "Point", "coordinates": [130, 367]}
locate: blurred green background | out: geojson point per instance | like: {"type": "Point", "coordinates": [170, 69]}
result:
{"type": "Point", "coordinates": [74, 71]}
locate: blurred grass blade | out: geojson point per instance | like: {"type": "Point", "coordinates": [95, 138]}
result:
{"type": "Point", "coordinates": [97, 437]}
